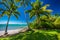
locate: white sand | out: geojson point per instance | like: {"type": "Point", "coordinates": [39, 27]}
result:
{"type": "Point", "coordinates": [13, 31]}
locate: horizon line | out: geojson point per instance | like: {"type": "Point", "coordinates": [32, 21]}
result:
{"type": "Point", "coordinates": [11, 22]}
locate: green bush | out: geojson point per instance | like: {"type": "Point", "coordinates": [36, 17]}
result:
{"type": "Point", "coordinates": [57, 23]}
{"type": "Point", "coordinates": [47, 25]}
{"type": "Point", "coordinates": [42, 25]}
{"type": "Point", "coordinates": [51, 23]}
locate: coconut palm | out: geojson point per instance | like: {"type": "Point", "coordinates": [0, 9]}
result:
{"type": "Point", "coordinates": [38, 10]}
{"type": "Point", "coordinates": [11, 9]}
{"type": "Point", "coordinates": [25, 3]}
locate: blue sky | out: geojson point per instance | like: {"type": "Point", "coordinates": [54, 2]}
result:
{"type": "Point", "coordinates": [54, 5]}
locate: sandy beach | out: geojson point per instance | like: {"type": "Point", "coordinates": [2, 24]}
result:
{"type": "Point", "coordinates": [11, 32]}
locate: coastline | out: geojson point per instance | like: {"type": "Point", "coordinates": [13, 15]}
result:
{"type": "Point", "coordinates": [15, 31]}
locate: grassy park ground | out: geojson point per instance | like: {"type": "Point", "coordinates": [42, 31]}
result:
{"type": "Point", "coordinates": [36, 35]}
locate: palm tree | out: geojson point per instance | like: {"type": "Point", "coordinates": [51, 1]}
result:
{"type": "Point", "coordinates": [11, 9]}
{"type": "Point", "coordinates": [38, 10]}
{"type": "Point", "coordinates": [25, 3]}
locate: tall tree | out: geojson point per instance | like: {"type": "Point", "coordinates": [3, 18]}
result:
{"type": "Point", "coordinates": [24, 3]}
{"type": "Point", "coordinates": [11, 9]}
{"type": "Point", "coordinates": [38, 10]}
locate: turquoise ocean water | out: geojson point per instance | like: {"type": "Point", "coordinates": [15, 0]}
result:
{"type": "Point", "coordinates": [12, 26]}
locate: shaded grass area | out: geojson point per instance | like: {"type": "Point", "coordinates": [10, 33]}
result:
{"type": "Point", "coordinates": [36, 35]}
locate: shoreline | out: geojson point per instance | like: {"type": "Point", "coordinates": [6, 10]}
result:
{"type": "Point", "coordinates": [14, 31]}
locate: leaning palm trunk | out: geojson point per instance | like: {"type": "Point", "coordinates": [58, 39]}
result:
{"type": "Point", "coordinates": [27, 22]}
{"type": "Point", "coordinates": [7, 26]}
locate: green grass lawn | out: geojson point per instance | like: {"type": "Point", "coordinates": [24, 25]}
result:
{"type": "Point", "coordinates": [36, 35]}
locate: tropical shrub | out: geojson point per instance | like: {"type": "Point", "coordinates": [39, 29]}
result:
{"type": "Point", "coordinates": [57, 23]}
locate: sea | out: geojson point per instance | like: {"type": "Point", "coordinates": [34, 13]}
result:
{"type": "Point", "coordinates": [12, 26]}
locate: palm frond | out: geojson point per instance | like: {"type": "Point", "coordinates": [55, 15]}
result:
{"type": "Point", "coordinates": [31, 15]}
{"type": "Point", "coordinates": [17, 13]}
{"type": "Point", "coordinates": [3, 13]}
{"type": "Point", "coordinates": [17, 0]}
{"type": "Point", "coordinates": [16, 16]}
{"type": "Point", "coordinates": [45, 7]}
{"type": "Point", "coordinates": [4, 4]}
{"type": "Point", "coordinates": [27, 11]}
{"type": "Point", "coordinates": [49, 11]}
{"type": "Point", "coordinates": [1, 9]}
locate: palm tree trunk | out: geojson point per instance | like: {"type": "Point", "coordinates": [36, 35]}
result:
{"type": "Point", "coordinates": [38, 20]}
{"type": "Point", "coordinates": [29, 29]}
{"type": "Point", "coordinates": [7, 26]}
{"type": "Point", "coordinates": [27, 22]}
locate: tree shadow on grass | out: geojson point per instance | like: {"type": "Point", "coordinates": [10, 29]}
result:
{"type": "Point", "coordinates": [17, 37]}
{"type": "Point", "coordinates": [39, 36]}
{"type": "Point", "coordinates": [34, 36]}
{"type": "Point", "coordinates": [58, 30]}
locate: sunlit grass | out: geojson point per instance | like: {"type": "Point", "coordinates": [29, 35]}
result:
{"type": "Point", "coordinates": [4, 38]}
{"type": "Point", "coordinates": [36, 35]}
